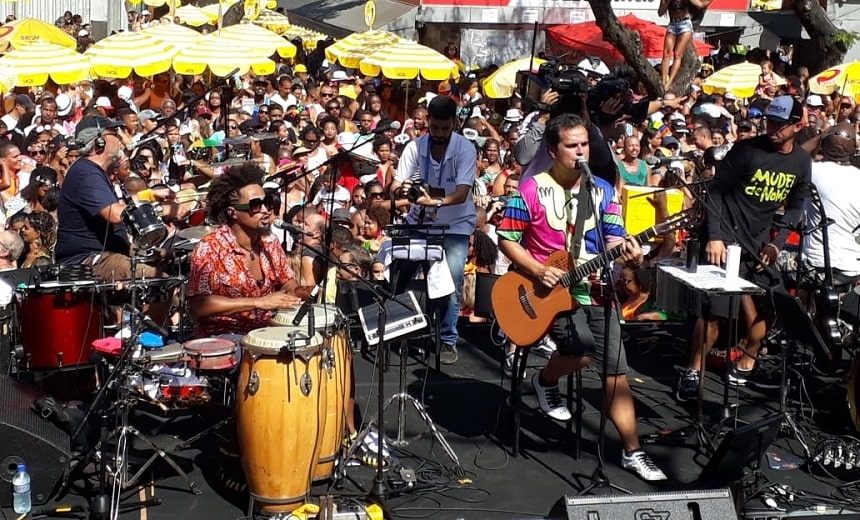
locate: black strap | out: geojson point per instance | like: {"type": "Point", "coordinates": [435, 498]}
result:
{"type": "Point", "coordinates": [583, 207]}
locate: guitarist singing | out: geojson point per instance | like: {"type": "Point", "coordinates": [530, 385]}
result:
{"type": "Point", "coordinates": [541, 220]}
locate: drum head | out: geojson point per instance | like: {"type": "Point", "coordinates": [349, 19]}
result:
{"type": "Point", "coordinates": [270, 340]}
{"type": "Point", "coordinates": [325, 316]}
{"type": "Point", "coordinates": [170, 353]}
{"type": "Point", "coordinates": [210, 346]}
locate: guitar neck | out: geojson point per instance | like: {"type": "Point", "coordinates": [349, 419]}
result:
{"type": "Point", "coordinates": [573, 277]}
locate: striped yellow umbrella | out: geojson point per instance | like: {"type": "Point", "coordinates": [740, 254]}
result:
{"type": "Point", "coordinates": [258, 39]}
{"type": "Point", "coordinates": [844, 78]}
{"type": "Point", "coordinates": [159, 3]}
{"type": "Point", "coordinates": [741, 80]}
{"type": "Point", "coordinates": [309, 37]}
{"type": "Point", "coordinates": [23, 32]}
{"type": "Point", "coordinates": [271, 20]}
{"type": "Point", "coordinates": [214, 9]}
{"type": "Point", "coordinates": [503, 82]}
{"type": "Point", "coordinates": [119, 55]}
{"type": "Point", "coordinates": [407, 59]}
{"type": "Point", "coordinates": [31, 65]}
{"type": "Point", "coordinates": [221, 56]}
{"type": "Point", "coordinates": [351, 50]}
{"type": "Point", "coordinates": [193, 16]}
{"type": "Point", "coordinates": [177, 35]}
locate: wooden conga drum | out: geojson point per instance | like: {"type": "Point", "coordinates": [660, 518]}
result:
{"type": "Point", "coordinates": [337, 356]}
{"type": "Point", "coordinates": [281, 409]}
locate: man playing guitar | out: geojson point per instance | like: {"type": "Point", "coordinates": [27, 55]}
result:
{"type": "Point", "coordinates": [539, 221]}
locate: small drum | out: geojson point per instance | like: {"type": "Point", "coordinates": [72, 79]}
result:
{"type": "Point", "coordinates": [338, 355]}
{"type": "Point", "coordinates": [280, 407]}
{"type": "Point", "coordinates": [59, 322]}
{"type": "Point", "coordinates": [211, 353]}
{"type": "Point", "coordinates": [484, 283]}
{"type": "Point", "coordinates": [144, 224]}
{"type": "Point", "coordinates": [169, 354]}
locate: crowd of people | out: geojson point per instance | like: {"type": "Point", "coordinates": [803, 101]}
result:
{"type": "Point", "coordinates": [338, 157]}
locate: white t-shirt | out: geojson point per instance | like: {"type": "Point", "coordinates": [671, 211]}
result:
{"type": "Point", "coordinates": [340, 195]}
{"type": "Point", "coordinates": [838, 186]}
{"type": "Point", "coordinates": [456, 169]}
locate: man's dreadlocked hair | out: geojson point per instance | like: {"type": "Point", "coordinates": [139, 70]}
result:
{"type": "Point", "coordinates": [224, 190]}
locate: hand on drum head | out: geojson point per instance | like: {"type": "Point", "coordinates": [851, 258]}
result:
{"type": "Point", "coordinates": [278, 300]}
{"type": "Point", "coordinates": [303, 291]}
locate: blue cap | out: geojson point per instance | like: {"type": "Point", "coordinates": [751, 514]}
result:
{"type": "Point", "coordinates": [755, 112]}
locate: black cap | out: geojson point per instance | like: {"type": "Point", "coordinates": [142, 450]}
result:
{"type": "Point", "coordinates": [784, 109]}
{"type": "Point", "coordinates": [97, 123]}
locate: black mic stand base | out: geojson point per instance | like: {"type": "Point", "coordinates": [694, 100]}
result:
{"type": "Point", "coordinates": [599, 479]}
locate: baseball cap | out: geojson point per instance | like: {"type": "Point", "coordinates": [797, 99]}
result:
{"type": "Point", "coordinates": [341, 215]}
{"type": "Point", "coordinates": [680, 127]}
{"type": "Point", "coordinates": [746, 123]}
{"type": "Point", "coordinates": [145, 12]}
{"type": "Point", "coordinates": [89, 127]}
{"type": "Point", "coordinates": [25, 101]}
{"type": "Point", "coordinates": [82, 33]}
{"type": "Point", "coordinates": [814, 100]}
{"type": "Point", "coordinates": [671, 141]}
{"type": "Point", "coordinates": [300, 68]}
{"type": "Point", "coordinates": [755, 112]}
{"type": "Point", "coordinates": [104, 102]}
{"type": "Point", "coordinates": [147, 114]}
{"type": "Point", "coordinates": [784, 109]}
{"type": "Point", "coordinates": [840, 143]}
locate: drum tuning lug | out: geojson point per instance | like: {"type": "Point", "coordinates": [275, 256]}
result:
{"type": "Point", "coordinates": [306, 384]}
{"type": "Point", "coordinates": [253, 383]}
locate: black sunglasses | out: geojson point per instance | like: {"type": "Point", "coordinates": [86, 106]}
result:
{"type": "Point", "coordinates": [376, 194]}
{"type": "Point", "coordinates": [262, 111]}
{"type": "Point", "coordinates": [255, 205]}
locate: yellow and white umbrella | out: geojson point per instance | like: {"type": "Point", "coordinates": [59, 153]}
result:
{"type": "Point", "coordinates": [23, 32]}
{"type": "Point", "coordinates": [176, 35]}
{"type": "Point", "coordinates": [119, 55]}
{"type": "Point", "coordinates": [271, 20]}
{"type": "Point", "coordinates": [503, 82]}
{"type": "Point", "coordinates": [214, 9]}
{"type": "Point", "coordinates": [221, 56]}
{"type": "Point", "coordinates": [259, 39]}
{"type": "Point", "coordinates": [741, 80]}
{"type": "Point", "coordinates": [407, 59]}
{"type": "Point", "coordinates": [309, 37]}
{"type": "Point", "coordinates": [844, 78]}
{"type": "Point", "coordinates": [31, 65]}
{"type": "Point", "coordinates": [193, 16]}
{"type": "Point", "coordinates": [351, 50]}
{"type": "Point", "coordinates": [159, 3]}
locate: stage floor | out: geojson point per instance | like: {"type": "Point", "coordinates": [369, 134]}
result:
{"type": "Point", "coordinates": [468, 402]}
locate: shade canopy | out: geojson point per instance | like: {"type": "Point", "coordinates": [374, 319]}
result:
{"type": "Point", "coordinates": [740, 79]}
{"type": "Point", "coordinates": [176, 35]}
{"type": "Point", "coordinates": [503, 82]}
{"type": "Point", "coordinates": [119, 55]}
{"type": "Point", "coordinates": [351, 50]}
{"type": "Point", "coordinates": [259, 39]}
{"type": "Point", "coordinates": [221, 56]}
{"type": "Point", "coordinates": [19, 33]}
{"type": "Point", "coordinates": [844, 78]}
{"type": "Point", "coordinates": [32, 65]}
{"type": "Point", "coordinates": [407, 59]}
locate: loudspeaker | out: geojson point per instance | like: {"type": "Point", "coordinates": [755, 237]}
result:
{"type": "Point", "coordinates": [700, 505]}
{"type": "Point", "coordinates": [26, 437]}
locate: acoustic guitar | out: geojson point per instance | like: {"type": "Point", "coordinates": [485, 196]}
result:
{"type": "Point", "coordinates": [525, 308]}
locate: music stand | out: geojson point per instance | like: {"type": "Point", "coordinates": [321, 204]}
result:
{"type": "Point", "coordinates": [741, 447]}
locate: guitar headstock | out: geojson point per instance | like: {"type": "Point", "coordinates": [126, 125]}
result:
{"type": "Point", "coordinates": [682, 220]}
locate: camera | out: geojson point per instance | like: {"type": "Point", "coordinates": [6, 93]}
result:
{"type": "Point", "coordinates": [414, 191]}
{"type": "Point", "coordinates": [501, 198]}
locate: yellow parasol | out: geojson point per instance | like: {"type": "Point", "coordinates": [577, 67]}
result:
{"type": "Point", "coordinates": [271, 20]}
{"type": "Point", "coordinates": [503, 82]}
{"type": "Point", "coordinates": [406, 60]}
{"type": "Point", "coordinates": [221, 56]}
{"type": "Point", "coordinates": [159, 3]}
{"type": "Point", "coordinates": [844, 78]}
{"type": "Point", "coordinates": [193, 16]}
{"type": "Point", "coordinates": [261, 40]}
{"type": "Point", "coordinates": [213, 9]}
{"type": "Point", "coordinates": [351, 50]}
{"type": "Point", "coordinates": [32, 64]}
{"type": "Point", "coordinates": [309, 37]}
{"type": "Point", "coordinates": [741, 80]}
{"type": "Point", "coordinates": [177, 35]}
{"type": "Point", "coordinates": [23, 32]}
{"type": "Point", "coordinates": [119, 55]}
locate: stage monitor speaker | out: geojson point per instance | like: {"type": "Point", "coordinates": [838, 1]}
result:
{"type": "Point", "coordinates": [26, 437]}
{"type": "Point", "coordinates": [696, 505]}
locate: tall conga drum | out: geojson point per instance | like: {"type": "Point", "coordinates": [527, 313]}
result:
{"type": "Point", "coordinates": [280, 407]}
{"type": "Point", "coordinates": [337, 354]}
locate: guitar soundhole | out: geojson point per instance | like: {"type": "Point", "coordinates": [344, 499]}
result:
{"type": "Point", "coordinates": [524, 301]}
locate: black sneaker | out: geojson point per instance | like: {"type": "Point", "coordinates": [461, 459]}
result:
{"type": "Point", "coordinates": [737, 376]}
{"type": "Point", "coordinates": [448, 356]}
{"type": "Point", "coordinates": [688, 386]}
{"type": "Point", "coordinates": [765, 379]}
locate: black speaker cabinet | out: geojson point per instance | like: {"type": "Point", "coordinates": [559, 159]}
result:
{"type": "Point", "coordinates": [26, 437]}
{"type": "Point", "coordinates": [697, 505]}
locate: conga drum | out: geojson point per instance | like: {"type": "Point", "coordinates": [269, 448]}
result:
{"type": "Point", "coordinates": [280, 408]}
{"type": "Point", "coordinates": [337, 354]}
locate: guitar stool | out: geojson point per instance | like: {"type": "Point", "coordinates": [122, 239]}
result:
{"type": "Point", "coordinates": [521, 355]}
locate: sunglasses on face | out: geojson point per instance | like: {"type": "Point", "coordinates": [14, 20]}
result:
{"type": "Point", "coordinates": [37, 151]}
{"type": "Point", "coordinates": [255, 205]}
{"type": "Point", "coordinates": [327, 94]}
{"type": "Point", "coordinates": [262, 111]}
{"type": "Point", "coordinates": [375, 195]}
{"type": "Point", "coordinates": [844, 106]}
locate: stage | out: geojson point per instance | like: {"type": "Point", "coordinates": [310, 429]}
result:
{"type": "Point", "coordinates": [469, 403]}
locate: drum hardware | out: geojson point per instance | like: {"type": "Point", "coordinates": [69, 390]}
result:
{"type": "Point", "coordinates": [253, 383]}
{"type": "Point", "coordinates": [195, 233]}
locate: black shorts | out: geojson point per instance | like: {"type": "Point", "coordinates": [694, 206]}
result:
{"type": "Point", "coordinates": [581, 333]}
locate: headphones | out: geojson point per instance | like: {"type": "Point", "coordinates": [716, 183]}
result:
{"type": "Point", "coordinates": [99, 144]}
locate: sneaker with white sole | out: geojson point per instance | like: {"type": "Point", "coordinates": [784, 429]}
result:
{"type": "Point", "coordinates": [737, 376]}
{"type": "Point", "coordinates": [550, 401]}
{"type": "Point", "coordinates": [688, 386]}
{"type": "Point", "coordinates": [545, 348]}
{"type": "Point", "coordinates": [638, 462]}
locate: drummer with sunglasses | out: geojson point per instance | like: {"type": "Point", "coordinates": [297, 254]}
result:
{"type": "Point", "coordinates": [239, 273]}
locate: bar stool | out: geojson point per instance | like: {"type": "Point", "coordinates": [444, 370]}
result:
{"type": "Point", "coordinates": [521, 355]}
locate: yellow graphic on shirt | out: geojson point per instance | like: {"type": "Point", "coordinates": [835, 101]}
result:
{"type": "Point", "coordinates": [768, 186]}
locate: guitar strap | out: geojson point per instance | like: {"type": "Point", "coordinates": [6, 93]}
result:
{"type": "Point", "coordinates": [582, 208]}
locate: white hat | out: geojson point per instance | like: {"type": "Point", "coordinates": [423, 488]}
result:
{"type": "Point", "coordinates": [730, 96]}
{"type": "Point", "coordinates": [814, 100]}
{"type": "Point", "coordinates": [64, 105]}
{"type": "Point", "coordinates": [145, 12]}
{"type": "Point", "coordinates": [82, 33]}
{"type": "Point", "coordinates": [104, 102]}
{"type": "Point", "coordinates": [513, 115]}
{"type": "Point", "coordinates": [339, 75]}
{"type": "Point", "coordinates": [124, 92]}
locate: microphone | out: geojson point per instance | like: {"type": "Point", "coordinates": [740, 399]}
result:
{"type": "Point", "coordinates": [306, 306]}
{"type": "Point", "coordinates": [147, 321]}
{"type": "Point", "coordinates": [141, 142]}
{"type": "Point", "coordinates": [660, 161]}
{"type": "Point", "coordinates": [280, 224]}
{"type": "Point", "coordinates": [394, 125]}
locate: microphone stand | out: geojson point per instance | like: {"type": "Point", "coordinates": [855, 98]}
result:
{"type": "Point", "coordinates": [600, 478]}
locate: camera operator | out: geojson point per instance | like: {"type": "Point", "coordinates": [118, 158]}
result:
{"type": "Point", "coordinates": [436, 173]}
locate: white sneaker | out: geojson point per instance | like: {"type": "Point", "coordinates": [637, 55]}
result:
{"type": "Point", "coordinates": [550, 401]}
{"type": "Point", "coordinates": [545, 348]}
{"type": "Point", "coordinates": [640, 463]}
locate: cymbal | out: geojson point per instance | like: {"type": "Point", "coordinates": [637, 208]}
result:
{"type": "Point", "coordinates": [239, 139]}
{"type": "Point", "coordinates": [232, 161]}
{"type": "Point", "coordinates": [195, 233]}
